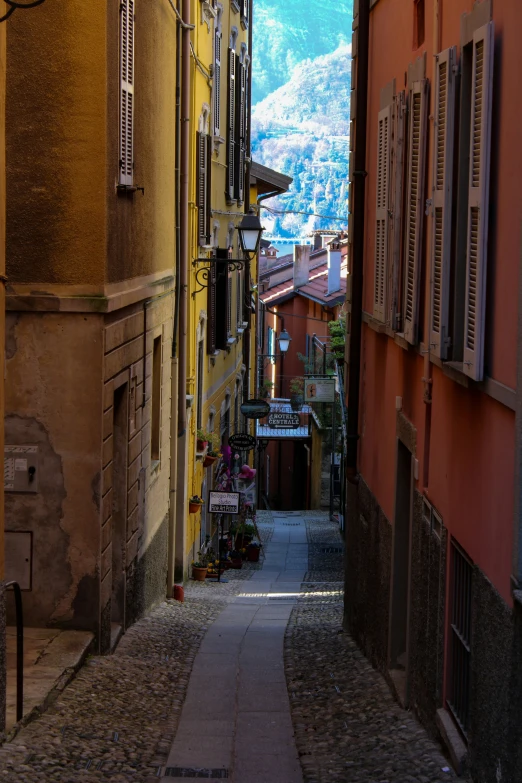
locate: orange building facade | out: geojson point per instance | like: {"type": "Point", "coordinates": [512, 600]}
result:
{"type": "Point", "coordinates": [433, 564]}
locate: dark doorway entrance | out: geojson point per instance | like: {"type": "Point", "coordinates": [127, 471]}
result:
{"type": "Point", "coordinates": [300, 478]}
{"type": "Point", "coordinates": [119, 503]}
{"type": "Point", "coordinates": [400, 577]}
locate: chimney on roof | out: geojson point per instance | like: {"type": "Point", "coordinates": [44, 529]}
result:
{"type": "Point", "coordinates": [318, 241]}
{"type": "Point", "coordinates": [334, 268]}
{"type": "Point", "coordinates": [301, 265]}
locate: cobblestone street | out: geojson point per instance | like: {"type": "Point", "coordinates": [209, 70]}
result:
{"type": "Point", "coordinates": [117, 720]}
{"type": "Point", "coordinates": [347, 725]}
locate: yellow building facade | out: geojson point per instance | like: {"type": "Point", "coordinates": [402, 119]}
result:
{"type": "Point", "coordinates": [220, 333]}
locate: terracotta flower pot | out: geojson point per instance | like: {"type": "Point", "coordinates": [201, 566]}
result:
{"type": "Point", "coordinates": [237, 563]}
{"type": "Point", "coordinates": [253, 553]}
{"type": "Point", "coordinates": [201, 445]}
{"type": "Point", "coordinates": [208, 461]}
{"type": "Point", "coordinates": [199, 574]}
{"type": "Point", "coordinates": [194, 507]}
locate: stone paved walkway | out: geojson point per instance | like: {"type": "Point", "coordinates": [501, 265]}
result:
{"type": "Point", "coordinates": [216, 661]}
{"type": "Point", "coordinates": [348, 727]}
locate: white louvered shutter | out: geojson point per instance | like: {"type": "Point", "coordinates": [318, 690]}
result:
{"type": "Point", "coordinates": [381, 213]}
{"type": "Point", "coordinates": [217, 82]}
{"type": "Point", "coordinates": [442, 199]}
{"type": "Point", "coordinates": [202, 165]}
{"type": "Point", "coordinates": [231, 124]}
{"type": "Point", "coordinates": [414, 207]}
{"type": "Point", "coordinates": [478, 201]}
{"type": "Point", "coordinates": [396, 200]}
{"type": "Point", "coordinates": [126, 91]}
{"type": "Point", "coordinates": [240, 135]}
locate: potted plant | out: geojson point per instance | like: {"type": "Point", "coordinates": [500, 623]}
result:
{"type": "Point", "coordinates": [195, 503]}
{"type": "Point", "coordinates": [296, 393]}
{"type": "Point", "coordinates": [213, 453]}
{"type": "Point", "coordinates": [202, 439]}
{"type": "Point", "coordinates": [252, 551]}
{"type": "Point", "coordinates": [265, 389]}
{"type": "Point", "coordinates": [236, 559]}
{"type": "Point", "coordinates": [200, 568]}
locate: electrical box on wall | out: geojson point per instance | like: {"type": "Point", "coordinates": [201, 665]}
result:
{"type": "Point", "coordinates": [19, 557]}
{"type": "Point", "coordinates": [21, 468]}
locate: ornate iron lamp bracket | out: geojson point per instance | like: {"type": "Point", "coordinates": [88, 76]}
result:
{"type": "Point", "coordinates": [222, 267]}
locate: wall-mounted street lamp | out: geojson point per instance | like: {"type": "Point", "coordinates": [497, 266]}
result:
{"type": "Point", "coordinates": [14, 4]}
{"type": "Point", "coordinates": [249, 231]}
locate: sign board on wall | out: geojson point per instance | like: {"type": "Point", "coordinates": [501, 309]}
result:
{"type": "Point", "coordinates": [283, 421]}
{"type": "Point", "coordinates": [21, 468]}
{"type": "Point", "coordinates": [242, 441]}
{"type": "Point", "coordinates": [255, 409]}
{"type": "Point", "coordinates": [319, 390]}
{"type": "Point", "coordinates": [223, 502]}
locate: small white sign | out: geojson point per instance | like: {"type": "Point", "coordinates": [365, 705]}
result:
{"type": "Point", "coordinates": [319, 390]}
{"type": "Point", "coordinates": [223, 502]}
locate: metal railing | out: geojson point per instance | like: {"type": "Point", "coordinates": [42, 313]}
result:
{"type": "Point", "coordinates": [460, 641]}
{"type": "Point", "coordinates": [19, 649]}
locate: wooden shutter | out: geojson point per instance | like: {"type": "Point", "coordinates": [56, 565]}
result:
{"type": "Point", "coordinates": [229, 302]}
{"type": "Point", "coordinates": [126, 91]}
{"type": "Point", "coordinates": [239, 302]}
{"type": "Point", "coordinates": [244, 14]}
{"type": "Point", "coordinates": [222, 306]}
{"type": "Point", "coordinates": [203, 154]}
{"type": "Point", "coordinates": [478, 201]}
{"type": "Point", "coordinates": [381, 213]}
{"type": "Point", "coordinates": [231, 125]}
{"type": "Point", "coordinates": [444, 115]}
{"type": "Point", "coordinates": [211, 307]}
{"type": "Point", "coordinates": [396, 203]}
{"type": "Point", "coordinates": [240, 135]}
{"type": "Point", "coordinates": [217, 82]}
{"type": "Point", "coordinates": [414, 207]}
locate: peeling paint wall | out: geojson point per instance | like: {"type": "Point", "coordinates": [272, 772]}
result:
{"type": "Point", "coordinates": [53, 401]}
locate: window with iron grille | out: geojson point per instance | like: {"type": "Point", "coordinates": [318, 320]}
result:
{"type": "Point", "coordinates": [460, 636]}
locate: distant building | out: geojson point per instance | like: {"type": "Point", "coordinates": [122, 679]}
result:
{"type": "Point", "coordinates": [300, 293]}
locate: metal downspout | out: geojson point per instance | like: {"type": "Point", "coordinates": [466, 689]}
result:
{"type": "Point", "coordinates": [175, 330]}
{"type": "Point", "coordinates": [353, 370]}
{"type": "Point", "coordinates": [184, 219]}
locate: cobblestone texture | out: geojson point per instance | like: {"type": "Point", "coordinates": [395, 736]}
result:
{"type": "Point", "coordinates": [117, 719]}
{"type": "Point", "coordinates": [348, 726]}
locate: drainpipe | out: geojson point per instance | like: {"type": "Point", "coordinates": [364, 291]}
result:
{"type": "Point", "coordinates": [184, 218]}
{"type": "Point", "coordinates": [174, 358]}
{"type": "Point", "coordinates": [353, 373]}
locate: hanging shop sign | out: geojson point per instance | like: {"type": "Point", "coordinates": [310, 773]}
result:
{"type": "Point", "coordinates": [319, 390]}
{"type": "Point", "coordinates": [242, 441]}
{"type": "Point", "coordinates": [255, 409]}
{"type": "Point", "coordinates": [283, 421]}
{"type": "Point", "coordinates": [223, 502]}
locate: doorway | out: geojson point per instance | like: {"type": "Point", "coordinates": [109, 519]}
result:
{"type": "Point", "coordinates": [400, 576]}
{"type": "Point", "coordinates": [119, 503]}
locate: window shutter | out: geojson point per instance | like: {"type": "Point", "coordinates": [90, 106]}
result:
{"type": "Point", "coordinates": [217, 82]}
{"type": "Point", "coordinates": [231, 125]}
{"type": "Point", "coordinates": [478, 201]}
{"type": "Point", "coordinates": [229, 301]}
{"type": "Point", "coordinates": [126, 91]}
{"type": "Point", "coordinates": [414, 207]}
{"type": "Point", "coordinates": [442, 199]}
{"type": "Point", "coordinates": [381, 213]}
{"type": "Point", "coordinates": [396, 198]}
{"type": "Point", "coordinates": [203, 187]}
{"type": "Point", "coordinates": [222, 300]}
{"type": "Point", "coordinates": [239, 298]}
{"type": "Point", "coordinates": [211, 307]}
{"type": "Point", "coordinates": [240, 135]}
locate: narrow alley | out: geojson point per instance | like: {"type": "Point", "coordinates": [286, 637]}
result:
{"type": "Point", "coordinates": [251, 680]}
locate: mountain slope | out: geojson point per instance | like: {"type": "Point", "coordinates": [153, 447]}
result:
{"type": "Point", "coordinates": [287, 32]}
{"type": "Point", "coordinates": [301, 129]}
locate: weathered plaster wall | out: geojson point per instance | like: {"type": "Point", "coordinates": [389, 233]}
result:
{"type": "Point", "coordinates": [53, 400]}
{"type": "Point", "coordinates": [140, 239]}
{"type": "Point", "coordinates": [56, 116]}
